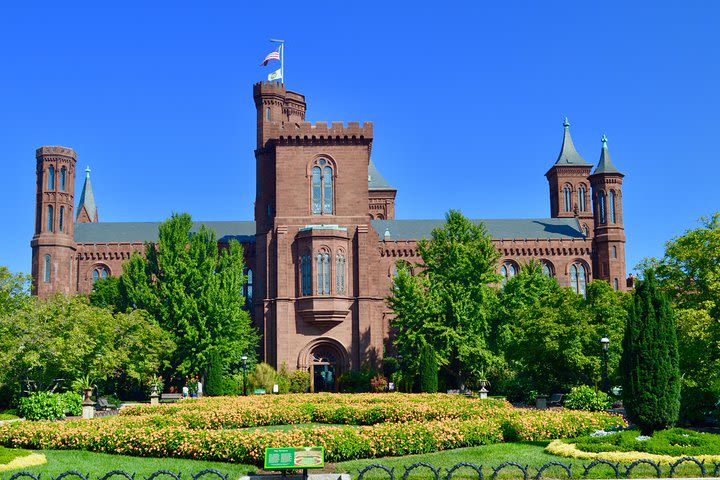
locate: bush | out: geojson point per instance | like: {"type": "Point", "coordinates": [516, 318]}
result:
{"type": "Point", "coordinates": [262, 376]}
{"type": "Point", "coordinates": [214, 378]}
{"type": "Point", "coordinates": [283, 379]}
{"type": "Point", "coordinates": [428, 370]}
{"type": "Point", "coordinates": [71, 403]}
{"type": "Point", "coordinates": [586, 398]}
{"type": "Point", "coordinates": [698, 405]}
{"type": "Point", "coordinates": [232, 384]}
{"type": "Point", "coordinates": [299, 381]}
{"type": "Point", "coordinates": [379, 384]}
{"type": "Point", "coordinates": [356, 381]}
{"type": "Point", "coordinates": [42, 406]}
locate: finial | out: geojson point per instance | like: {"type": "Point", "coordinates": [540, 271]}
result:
{"type": "Point", "coordinates": [387, 233]}
{"type": "Point", "coordinates": [566, 124]}
{"type": "Point", "coordinates": [604, 141]}
{"type": "Point", "coordinates": [87, 171]}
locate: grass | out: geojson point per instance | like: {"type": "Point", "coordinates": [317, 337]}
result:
{"type": "Point", "coordinates": [8, 416]}
{"type": "Point", "coordinates": [8, 454]}
{"type": "Point", "coordinates": [674, 442]}
{"type": "Point", "coordinates": [98, 464]}
{"type": "Point", "coordinates": [525, 453]}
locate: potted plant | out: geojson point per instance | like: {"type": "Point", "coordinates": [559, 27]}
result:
{"type": "Point", "coordinates": [156, 384]}
{"type": "Point", "coordinates": [86, 385]}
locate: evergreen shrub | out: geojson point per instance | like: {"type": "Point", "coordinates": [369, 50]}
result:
{"type": "Point", "coordinates": [586, 398]}
{"type": "Point", "coordinates": [214, 377]}
{"type": "Point", "coordinates": [299, 381]}
{"type": "Point", "coordinates": [428, 370]}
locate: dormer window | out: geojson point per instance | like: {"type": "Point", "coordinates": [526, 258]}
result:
{"type": "Point", "coordinates": [322, 187]}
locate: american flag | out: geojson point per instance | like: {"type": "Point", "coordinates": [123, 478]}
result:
{"type": "Point", "coordinates": [274, 55]}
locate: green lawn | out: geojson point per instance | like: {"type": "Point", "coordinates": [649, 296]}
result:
{"type": "Point", "coordinates": [8, 454]}
{"type": "Point", "coordinates": [525, 453]}
{"type": "Point", "coordinates": [98, 464]}
{"type": "Point", "coordinates": [7, 416]}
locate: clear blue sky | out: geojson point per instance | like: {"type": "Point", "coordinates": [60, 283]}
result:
{"type": "Point", "coordinates": [467, 100]}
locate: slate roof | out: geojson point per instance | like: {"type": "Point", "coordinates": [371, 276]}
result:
{"type": "Point", "coordinates": [605, 165]}
{"type": "Point", "coordinates": [375, 180]}
{"type": "Point", "coordinates": [87, 199]}
{"type": "Point", "coordinates": [568, 154]}
{"type": "Point", "coordinates": [127, 232]}
{"type": "Point", "coordinates": [567, 228]}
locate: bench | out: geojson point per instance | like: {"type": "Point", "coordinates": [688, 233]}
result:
{"type": "Point", "coordinates": [171, 397]}
{"type": "Point", "coordinates": [102, 404]}
{"type": "Point", "coordinates": [555, 400]}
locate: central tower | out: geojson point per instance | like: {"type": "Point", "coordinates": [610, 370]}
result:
{"type": "Point", "coordinates": [314, 253]}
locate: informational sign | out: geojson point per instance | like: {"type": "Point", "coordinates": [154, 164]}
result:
{"type": "Point", "coordinates": [259, 391]}
{"type": "Point", "coordinates": [294, 457]}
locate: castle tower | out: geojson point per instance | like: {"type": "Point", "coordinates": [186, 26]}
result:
{"type": "Point", "coordinates": [87, 211]}
{"type": "Point", "coordinates": [569, 188]}
{"type": "Point", "coordinates": [609, 239]}
{"type": "Point", "coordinates": [53, 247]}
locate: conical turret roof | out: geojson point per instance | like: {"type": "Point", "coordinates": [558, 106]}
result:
{"type": "Point", "coordinates": [87, 200]}
{"type": "Point", "coordinates": [605, 165]}
{"type": "Point", "coordinates": [568, 154]}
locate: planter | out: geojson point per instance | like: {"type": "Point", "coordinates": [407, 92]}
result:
{"type": "Point", "coordinates": [88, 394]}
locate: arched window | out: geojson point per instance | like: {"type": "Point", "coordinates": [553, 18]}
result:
{"type": "Point", "coordinates": [616, 284]}
{"type": "Point", "coordinates": [323, 273]}
{"type": "Point", "coordinates": [61, 219]}
{"type": "Point", "coordinates": [611, 205]}
{"type": "Point", "coordinates": [46, 273]}
{"type": "Point", "coordinates": [567, 195]}
{"type": "Point", "coordinates": [586, 230]}
{"type": "Point", "coordinates": [614, 251]}
{"type": "Point", "coordinates": [248, 287]}
{"type": "Point", "coordinates": [62, 179]}
{"type": "Point", "coordinates": [305, 275]}
{"type": "Point", "coordinates": [578, 278]}
{"type": "Point", "coordinates": [322, 187]}
{"type": "Point", "coordinates": [507, 271]}
{"type": "Point", "coordinates": [51, 178]}
{"type": "Point", "coordinates": [100, 273]}
{"type": "Point", "coordinates": [547, 269]}
{"type": "Point", "coordinates": [50, 218]}
{"type": "Point", "coordinates": [581, 198]}
{"type": "Point", "coordinates": [267, 113]}
{"type": "Point", "coordinates": [340, 273]}
{"type": "Point", "coordinates": [601, 207]}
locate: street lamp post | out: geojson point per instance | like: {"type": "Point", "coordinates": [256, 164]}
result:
{"type": "Point", "coordinates": [244, 360]}
{"type": "Point", "coordinates": [605, 342]}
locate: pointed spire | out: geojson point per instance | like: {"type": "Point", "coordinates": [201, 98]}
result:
{"type": "Point", "coordinates": [605, 165]}
{"type": "Point", "coordinates": [568, 154]}
{"type": "Point", "coordinates": [87, 210]}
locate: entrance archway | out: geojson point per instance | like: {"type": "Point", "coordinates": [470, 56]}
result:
{"type": "Point", "coordinates": [326, 360]}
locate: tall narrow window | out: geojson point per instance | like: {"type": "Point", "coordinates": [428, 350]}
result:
{"type": "Point", "coordinates": [267, 113]}
{"type": "Point", "coordinates": [46, 273]}
{"type": "Point", "coordinates": [62, 179]}
{"type": "Point", "coordinates": [305, 275]}
{"type": "Point", "coordinates": [50, 218]}
{"type": "Point", "coordinates": [61, 219]}
{"type": "Point", "coordinates": [581, 198]}
{"type": "Point", "coordinates": [326, 273]}
{"type": "Point", "coordinates": [546, 269]}
{"type": "Point", "coordinates": [578, 278]}
{"type": "Point", "coordinates": [51, 178]}
{"type": "Point", "coordinates": [601, 207]}
{"type": "Point", "coordinates": [320, 282]}
{"type": "Point", "coordinates": [567, 194]}
{"type": "Point", "coordinates": [248, 290]}
{"type": "Point", "coordinates": [340, 273]}
{"type": "Point", "coordinates": [616, 284]}
{"type": "Point", "coordinates": [322, 187]}
{"type": "Point", "coordinates": [614, 251]}
{"type": "Point", "coordinates": [611, 205]}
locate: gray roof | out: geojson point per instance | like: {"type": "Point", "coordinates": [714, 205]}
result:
{"type": "Point", "coordinates": [567, 228]}
{"type": "Point", "coordinates": [125, 232]}
{"type": "Point", "coordinates": [375, 180]}
{"type": "Point", "coordinates": [605, 165]}
{"type": "Point", "coordinates": [568, 154]}
{"type": "Point", "coordinates": [87, 199]}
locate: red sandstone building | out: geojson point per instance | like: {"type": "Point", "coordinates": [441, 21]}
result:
{"type": "Point", "coordinates": [322, 249]}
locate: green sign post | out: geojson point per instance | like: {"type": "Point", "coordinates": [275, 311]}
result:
{"type": "Point", "coordinates": [294, 458]}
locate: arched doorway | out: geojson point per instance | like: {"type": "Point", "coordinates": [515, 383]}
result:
{"type": "Point", "coordinates": [326, 359]}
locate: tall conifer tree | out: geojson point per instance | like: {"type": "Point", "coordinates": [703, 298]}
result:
{"type": "Point", "coordinates": [651, 375]}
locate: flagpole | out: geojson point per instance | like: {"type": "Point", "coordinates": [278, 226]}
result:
{"type": "Point", "coordinates": [282, 57]}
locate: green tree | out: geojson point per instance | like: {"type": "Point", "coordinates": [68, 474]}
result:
{"type": "Point", "coordinates": [214, 377]}
{"type": "Point", "coordinates": [689, 273]}
{"type": "Point", "coordinates": [14, 290]}
{"type": "Point", "coordinates": [651, 383]}
{"type": "Point", "coordinates": [449, 303]}
{"type": "Point", "coordinates": [428, 370]}
{"type": "Point", "coordinates": [550, 336]}
{"type": "Point", "coordinates": [65, 337]}
{"type": "Point", "coordinates": [194, 292]}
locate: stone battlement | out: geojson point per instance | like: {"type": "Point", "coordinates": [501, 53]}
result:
{"type": "Point", "coordinates": [320, 130]}
{"type": "Point", "coordinates": [55, 150]}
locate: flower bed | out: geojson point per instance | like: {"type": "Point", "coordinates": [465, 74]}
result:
{"type": "Point", "coordinates": [399, 425]}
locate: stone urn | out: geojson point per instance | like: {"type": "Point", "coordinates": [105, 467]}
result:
{"type": "Point", "coordinates": [88, 394]}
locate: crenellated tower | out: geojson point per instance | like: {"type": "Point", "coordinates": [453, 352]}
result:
{"type": "Point", "coordinates": [569, 186]}
{"type": "Point", "coordinates": [53, 246]}
{"type": "Point", "coordinates": [609, 239]}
